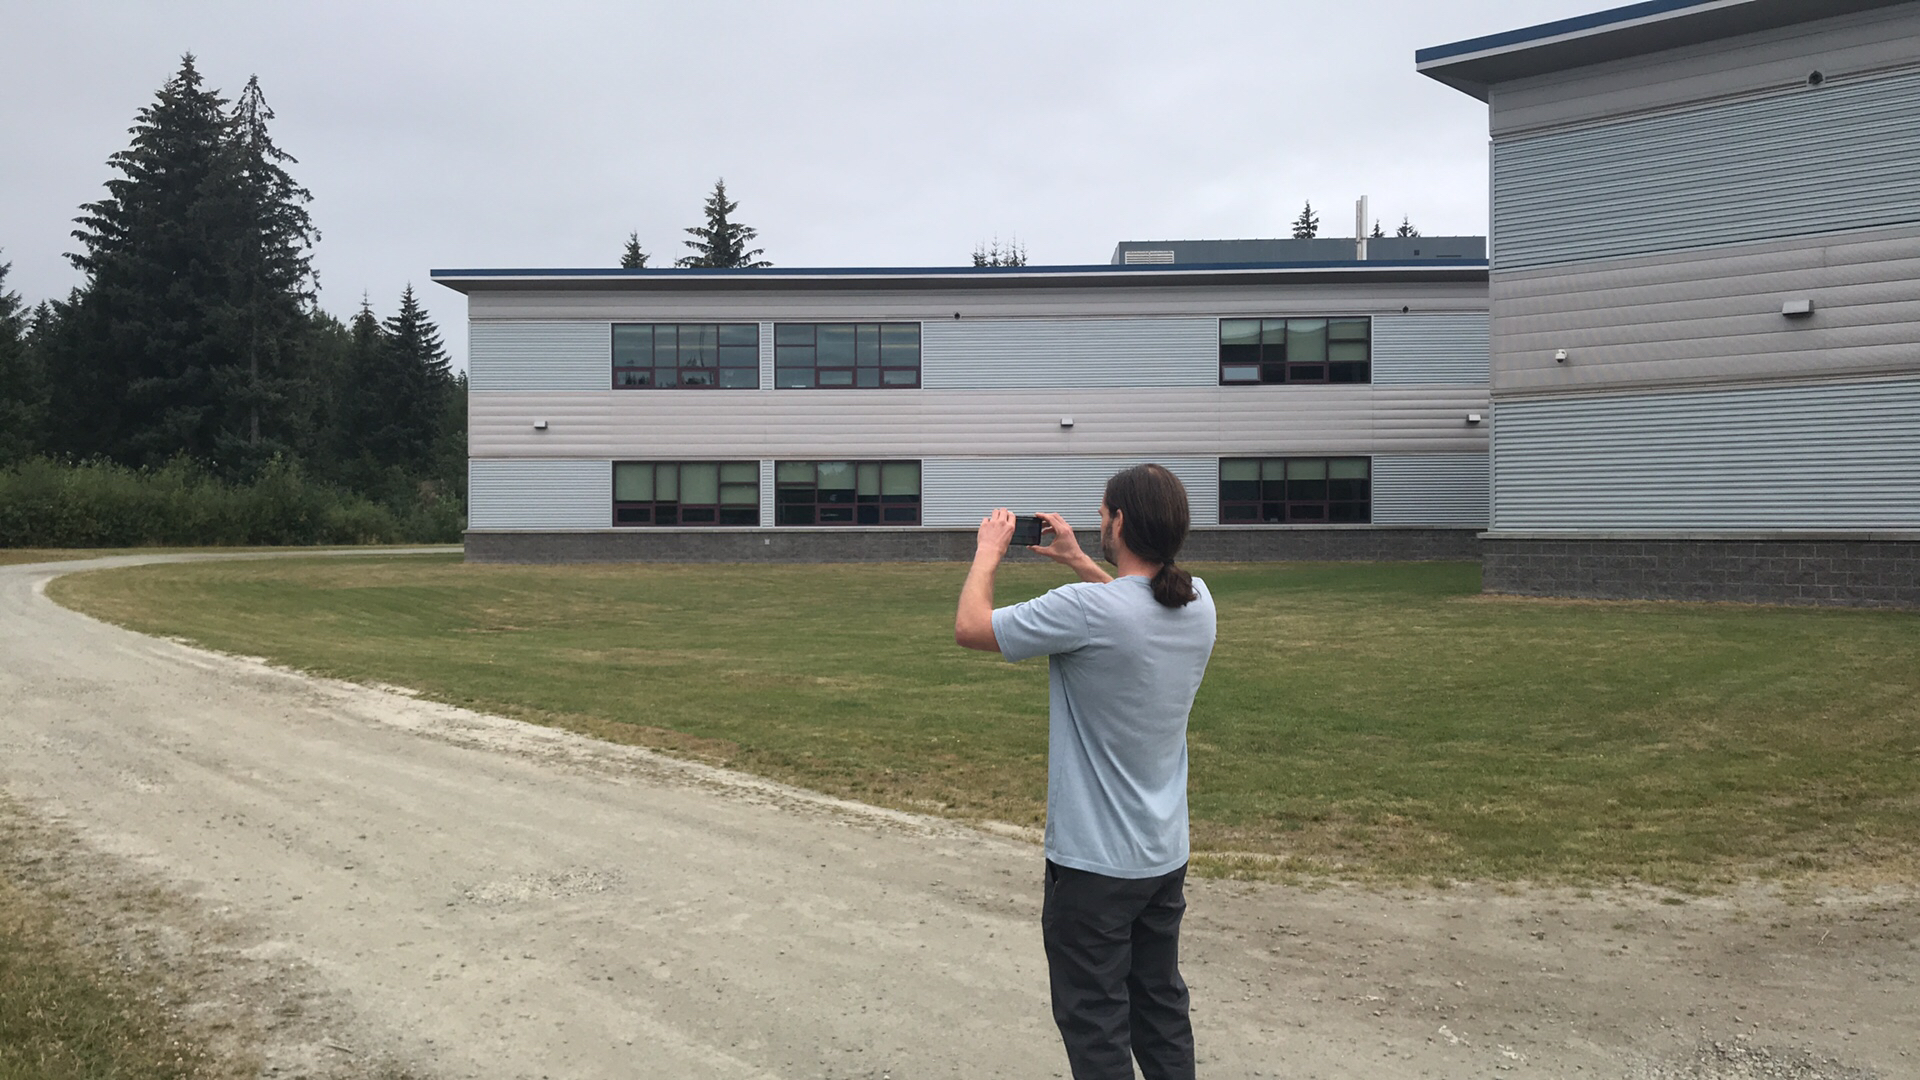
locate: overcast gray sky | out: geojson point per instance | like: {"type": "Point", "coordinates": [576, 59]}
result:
{"type": "Point", "coordinates": [875, 133]}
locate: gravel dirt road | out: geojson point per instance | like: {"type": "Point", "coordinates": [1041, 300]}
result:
{"type": "Point", "coordinates": [390, 880]}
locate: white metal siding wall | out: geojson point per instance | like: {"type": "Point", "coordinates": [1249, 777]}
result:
{"type": "Point", "coordinates": [1839, 456]}
{"type": "Point", "coordinates": [967, 354]}
{"type": "Point", "coordinates": [539, 355]}
{"type": "Point", "coordinates": [961, 491]}
{"type": "Point", "coordinates": [1844, 155]}
{"type": "Point", "coordinates": [1430, 489]}
{"type": "Point", "coordinates": [1432, 349]}
{"type": "Point", "coordinates": [539, 494]}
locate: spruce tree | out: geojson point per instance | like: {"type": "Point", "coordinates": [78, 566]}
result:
{"type": "Point", "coordinates": [272, 288]}
{"type": "Point", "coordinates": [1406, 228]}
{"type": "Point", "coordinates": [1307, 225]}
{"type": "Point", "coordinates": [1013, 254]}
{"type": "Point", "coordinates": [633, 258]}
{"type": "Point", "coordinates": [146, 340]}
{"type": "Point", "coordinates": [401, 384]}
{"type": "Point", "coordinates": [721, 243]}
{"type": "Point", "coordinates": [1376, 234]}
{"type": "Point", "coordinates": [23, 391]}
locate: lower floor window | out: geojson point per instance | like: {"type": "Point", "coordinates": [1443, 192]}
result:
{"type": "Point", "coordinates": [1286, 490]}
{"type": "Point", "coordinates": [846, 493]}
{"type": "Point", "coordinates": [686, 493]}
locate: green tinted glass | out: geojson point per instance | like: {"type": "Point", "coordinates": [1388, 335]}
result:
{"type": "Point", "coordinates": [740, 334]}
{"type": "Point", "coordinates": [793, 334]}
{"type": "Point", "coordinates": [633, 482]}
{"type": "Point", "coordinates": [835, 345]}
{"type": "Point", "coordinates": [632, 346]}
{"type": "Point", "coordinates": [835, 475]}
{"type": "Point", "coordinates": [1346, 329]}
{"type": "Point", "coordinates": [1273, 469]}
{"type": "Point", "coordinates": [900, 478]}
{"type": "Point", "coordinates": [1273, 331]}
{"type": "Point", "coordinates": [740, 472]}
{"type": "Point", "coordinates": [1347, 468]}
{"type": "Point", "coordinates": [666, 483]}
{"type": "Point", "coordinates": [1239, 331]}
{"type": "Point", "coordinates": [1306, 341]}
{"type": "Point", "coordinates": [1239, 469]}
{"type": "Point", "coordinates": [700, 483]}
{"type": "Point", "coordinates": [1307, 469]}
{"type": "Point", "coordinates": [794, 472]}
{"type": "Point", "coordinates": [869, 483]}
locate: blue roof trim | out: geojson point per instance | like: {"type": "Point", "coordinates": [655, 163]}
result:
{"type": "Point", "coordinates": [1556, 29]}
{"type": "Point", "coordinates": [956, 271]}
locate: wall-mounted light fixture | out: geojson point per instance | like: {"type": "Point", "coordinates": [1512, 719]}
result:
{"type": "Point", "coordinates": [539, 425]}
{"type": "Point", "coordinates": [1797, 309]}
{"type": "Point", "coordinates": [1066, 421]}
{"type": "Point", "coordinates": [1559, 356]}
{"type": "Point", "coordinates": [1473, 418]}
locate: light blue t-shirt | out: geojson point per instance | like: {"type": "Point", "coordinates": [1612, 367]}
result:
{"type": "Point", "coordinates": [1122, 674]}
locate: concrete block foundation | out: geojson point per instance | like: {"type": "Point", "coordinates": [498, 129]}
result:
{"type": "Point", "coordinates": [1833, 571]}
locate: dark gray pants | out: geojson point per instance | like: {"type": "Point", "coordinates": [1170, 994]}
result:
{"type": "Point", "coordinates": [1113, 954]}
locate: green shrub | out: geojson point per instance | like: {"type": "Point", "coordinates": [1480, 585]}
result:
{"type": "Point", "coordinates": [47, 503]}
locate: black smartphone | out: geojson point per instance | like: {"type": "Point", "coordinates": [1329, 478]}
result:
{"type": "Point", "coordinates": [1026, 530]}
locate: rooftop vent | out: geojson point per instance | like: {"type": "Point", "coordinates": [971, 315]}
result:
{"type": "Point", "coordinates": [1136, 257]}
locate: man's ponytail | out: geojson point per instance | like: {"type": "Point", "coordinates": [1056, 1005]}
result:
{"type": "Point", "coordinates": [1154, 518]}
{"type": "Point", "coordinates": [1173, 587]}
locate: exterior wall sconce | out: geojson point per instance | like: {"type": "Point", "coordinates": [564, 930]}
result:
{"type": "Point", "coordinates": [1066, 421]}
{"type": "Point", "coordinates": [539, 425]}
{"type": "Point", "coordinates": [1473, 418]}
{"type": "Point", "coordinates": [1559, 356]}
{"type": "Point", "coordinates": [1797, 309]}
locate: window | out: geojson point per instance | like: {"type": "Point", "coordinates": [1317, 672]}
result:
{"type": "Point", "coordinates": [808, 355]}
{"type": "Point", "coordinates": [686, 493]}
{"type": "Point", "coordinates": [1287, 490]}
{"type": "Point", "coordinates": [686, 355]}
{"type": "Point", "coordinates": [1296, 351]}
{"type": "Point", "coordinates": [846, 493]}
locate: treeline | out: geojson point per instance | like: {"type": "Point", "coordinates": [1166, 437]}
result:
{"type": "Point", "coordinates": [191, 389]}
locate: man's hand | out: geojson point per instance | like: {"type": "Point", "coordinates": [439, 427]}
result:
{"type": "Point", "coordinates": [1065, 550]}
{"type": "Point", "coordinates": [973, 623]}
{"type": "Point", "coordinates": [996, 529]}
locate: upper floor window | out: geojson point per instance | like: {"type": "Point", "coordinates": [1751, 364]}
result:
{"type": "Point", "coordinates": [807, 355]}
{"type": "Point", "coordinates": [846, 493]}
{"type": "Point", "coordinates": [686, 493]}
{"type": "Point", "coordinates": [1296, 350]}
{"type": "Point", "coordinates": [1296, 490]}
{"type": "Point", "coordinates": [689, 355]}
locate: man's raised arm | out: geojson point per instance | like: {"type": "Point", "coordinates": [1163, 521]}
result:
{"type": "Point", "coordinates": [973, 623]}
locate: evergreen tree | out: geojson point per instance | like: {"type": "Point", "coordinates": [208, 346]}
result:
{"type": "Point", "coordinates": [1307, 225]}
{"type": "Point", "coordinates": [23, 390]}
{"type": "Point", "coordinates": [1013, 254]}
{"type": "Point", "coordinates": [272, 288]}
{"type": "Point", "coordinates": [721, 243]}
{"type": "Point", "coordinates": [144, 340]}
{"type": "Point", "coordinates": [398, 398]}
{"type": "Point", "coordinates": [633, 258]}
{"type": "Point", "coordinates": [1376, 234]}
{"type": "Point", "coordinates": [1406, 228]}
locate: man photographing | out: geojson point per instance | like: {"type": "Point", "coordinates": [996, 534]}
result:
{"type": "Point", "coordinates": [1126, 656]}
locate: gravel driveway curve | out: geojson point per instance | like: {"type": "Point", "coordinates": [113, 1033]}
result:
{"type": "Point", "coordinates": [474, 896]}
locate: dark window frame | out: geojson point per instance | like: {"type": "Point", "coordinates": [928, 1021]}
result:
{"type": "Point", "coordinates": [1264, 360]}
{"type": "Point", "coordinates": [846, 506]}
{"type": "Point", "coordinates": [1278, 498]}
{"type": "Point", "coordinates": [863, 357]}
{"type": "Point", "coordinates": [656, 512]}
{"type": "Point", "coordinates": [702, 363]}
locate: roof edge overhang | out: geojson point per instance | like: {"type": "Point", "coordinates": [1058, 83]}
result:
{"type": "Point", "coordinates": [1475, 65]}
{"type": "Point", "coordinates": [783, 279]}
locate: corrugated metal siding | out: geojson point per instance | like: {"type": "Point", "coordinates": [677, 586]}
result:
{"type": "Point", "coordinates": [1431, 349]}
{"type": "Point", "coordinates": [961, 491]}
{"type": "Point", "coordinates": [1833, 456]}
{"type": "Point", "coordinates": [766, 491]}
{"type": "Point", "coordinates": [1713, 314]}
{"type": "Point", "coordinates": [1430, 489]}
{"type": "Point", "coordinates": [1845, 155]}
{"type": "Point", "coordinates": [539, 355]}
{"type": "Point", "coordinates": [970, 354]}
{"type": "Point", "coordinates": [1207, 420]}
{"type": "Point", "coordinates": [539, 494]}
{"type": "Point", "coordinates": [766, 355]}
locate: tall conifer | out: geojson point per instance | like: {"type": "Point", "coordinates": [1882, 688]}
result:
{"type": "Point", "coordinates": [22, 385]}
{"type": "Point", "coordinates": [721, 243]}
{"type": "Point", "coordinates": [633, 258]}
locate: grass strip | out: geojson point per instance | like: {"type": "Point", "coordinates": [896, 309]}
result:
{"type": "Point", "coordinates": [1357, 718]}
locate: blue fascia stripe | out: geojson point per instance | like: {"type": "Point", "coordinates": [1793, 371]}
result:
{"type": "Point", "coordinates": [946, 271]}
{"type": "Point", "coordinates": [1595, 21]}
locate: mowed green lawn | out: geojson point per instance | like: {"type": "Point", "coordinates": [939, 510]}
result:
{"type": "Point", "coordinates": [1364, 719]}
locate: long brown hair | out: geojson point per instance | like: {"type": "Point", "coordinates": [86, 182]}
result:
{"type": "Point", "coordinates": [1152, 504]}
